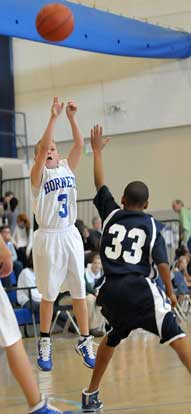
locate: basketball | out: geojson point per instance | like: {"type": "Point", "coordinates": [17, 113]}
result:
{"type": "Point", "coordinates": [55, 22]}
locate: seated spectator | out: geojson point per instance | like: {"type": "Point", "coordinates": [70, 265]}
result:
{"type": "Point", "coordinates": [183, 265]}
{"type": "Point", "coordinates": [96, 231]}
{"type": "Point", "coordinates": [27, 279]}
{"type": "Point", "coordinates": [89, 243]}
{"type": "Point", "coordinates": [6, 206]}
{"type": "Point", "coordinates": [94, 279]}
{"type": "Point", "coordinates": [80, 226]}
{"type": "Point", "coordinates": [22, 238]}
{"type": "Point", "coordinates": [181, 251]}
{"type": "Point", "coordinates": [17, 265]}
{"type": "Point", "coordinates": [7, 198]}
{"type": "Point", "coordinates": [89, 239]}
{"type": "Point", "coordinates": [12, 214]}
{"type": "Point", "coordinates": [179, 278]}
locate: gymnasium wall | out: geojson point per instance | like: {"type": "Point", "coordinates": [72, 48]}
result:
{"type": "Point", "coordinates": [161, 158]}
{"type": "Point", "coordinates": [154, 97]}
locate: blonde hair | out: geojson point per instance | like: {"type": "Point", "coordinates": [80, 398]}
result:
{"type": "Point", "coordinates": [36, 148]}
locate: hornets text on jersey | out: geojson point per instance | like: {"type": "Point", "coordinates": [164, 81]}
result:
{"type": "Point", "coordinates": [54, 204]}
{"type": "Point", "coordinates": [131, 240]}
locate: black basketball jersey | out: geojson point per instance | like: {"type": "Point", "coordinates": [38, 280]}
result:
{"type": "Point", "coordinates": [131, 240]}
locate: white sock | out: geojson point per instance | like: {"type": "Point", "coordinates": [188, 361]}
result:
{"type": "Point", "coordinates": [82, 337]}
{"type": "Point", "coordinates": [38, 406]}
{"type": "Point", "coordinates": [89, 393]}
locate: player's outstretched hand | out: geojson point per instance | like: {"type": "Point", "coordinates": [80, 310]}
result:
{"type": "Point", "coordinates": [71, 110]}
{"type": "Point", "coordinates": [97, 140]}
{"type": "Point", "coordinates": [173, 300]}
{"type": "Point", "coordinates": [56, 107]}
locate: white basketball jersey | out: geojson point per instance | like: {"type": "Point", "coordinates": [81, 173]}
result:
{"type": "Point", "coordinates": [54, 204]}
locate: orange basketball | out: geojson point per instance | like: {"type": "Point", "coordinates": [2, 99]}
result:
{"type": "Point", "coordinates": [55, 22]}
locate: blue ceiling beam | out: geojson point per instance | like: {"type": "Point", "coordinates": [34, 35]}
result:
{"type": "Point", "coordinates": [98, 31]}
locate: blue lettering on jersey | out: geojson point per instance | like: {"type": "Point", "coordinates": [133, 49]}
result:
{"type": "Point", "coordinates": [47, 188]}
{"type": "Point", "coordinates": [68, 182]}
{"type": "Point", "coordinates": [60, 182]}
{"type": "Point", "coordinates": [52, 185]}
{"type": "Point", "coordinates": [63, 182]}
{"type": "Point", "coordinates": [57, 183]}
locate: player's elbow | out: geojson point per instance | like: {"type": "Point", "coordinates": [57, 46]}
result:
{"type": "Point", "coordinates": [79, 146]}
{"type": "Point", "coordinates": [9, 269]}
{"type": "Point", "coordinates": [163, 268]}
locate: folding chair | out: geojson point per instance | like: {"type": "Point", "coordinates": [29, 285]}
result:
{"type": "Point", "coordinates": [24, 316]}
{"type": "Point", "coordinates": [177, 310]}
{"type": "Point", "coordinates": [63, 303]}
{"type": "Point", "coordinates": [181, 289]}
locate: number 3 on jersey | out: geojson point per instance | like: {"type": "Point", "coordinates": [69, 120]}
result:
{"type": "Point", "coordinates": [64, 212]}
{"type": "Point", "coordinates": [115, 251]}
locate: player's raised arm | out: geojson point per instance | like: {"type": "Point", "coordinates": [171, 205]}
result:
{"type": "Point", "coordinates": [98, 143]}
{"type": "Point", "coordinates": [6, 262]}
{"type": "Point", "coordinates": [44, 144]}
{"type": "Point", "coordinates": [77, 148]}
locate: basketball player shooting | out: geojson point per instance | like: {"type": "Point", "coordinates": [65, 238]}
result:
{"type": "Point", "coordinates": [57, 247]}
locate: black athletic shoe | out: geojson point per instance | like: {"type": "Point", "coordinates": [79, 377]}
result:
{"type": "Point", "coordinates": [90, 402]}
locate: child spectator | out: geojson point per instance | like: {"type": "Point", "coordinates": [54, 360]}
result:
{"type": "Point", "coordinates": [22, 237]}
{"type": "Point", "coordinates": [96, 231]}
{"type": "Point", "coordinates": [12, 214]}
{"type": "Point", "coordinates": [94, 278]}
{"type": "Point", "coordinates": [27, 279]}
{"type": "Point", "coordinates": [17, 265]}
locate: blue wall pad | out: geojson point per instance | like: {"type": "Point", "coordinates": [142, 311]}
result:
{"type": "Point", "coordinates": [7, 101]}
{"type": "Point", "coordinates": [98, 31]}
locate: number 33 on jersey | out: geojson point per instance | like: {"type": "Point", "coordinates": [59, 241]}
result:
{"type": "Point", "coordinates": [131, 240]}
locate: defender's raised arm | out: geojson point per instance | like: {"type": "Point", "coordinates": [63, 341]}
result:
{"type": "Point", "coordinates": [98, 143]}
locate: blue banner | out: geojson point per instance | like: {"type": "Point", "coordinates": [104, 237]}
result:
{"type": "Point", "coordinates": [98, 31]}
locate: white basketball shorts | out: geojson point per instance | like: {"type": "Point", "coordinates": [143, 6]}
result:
{"type": "Point", "coordinates": [9, 330]}
{"type": "Point", "coordinates": [58, 257]}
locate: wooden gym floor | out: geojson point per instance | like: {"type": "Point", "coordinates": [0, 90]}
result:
{"type": "Point", "coordinates": [143, 378]}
